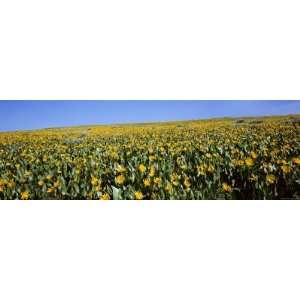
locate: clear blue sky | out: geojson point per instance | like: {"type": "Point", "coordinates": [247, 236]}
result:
{"type": "Point", "coordinates": [22, 115]}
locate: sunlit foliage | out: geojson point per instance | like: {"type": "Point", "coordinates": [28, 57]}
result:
{"type": "Point", "coordinates": [215, 159]}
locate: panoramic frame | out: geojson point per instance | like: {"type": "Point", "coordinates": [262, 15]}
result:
{"type": "Point", "coordinates": [184, 150]}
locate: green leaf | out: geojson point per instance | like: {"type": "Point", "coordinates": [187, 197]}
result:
{"type": "Point", "coordinates": [116, 193]}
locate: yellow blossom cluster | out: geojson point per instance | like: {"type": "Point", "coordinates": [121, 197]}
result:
{"type": "Point", "coordinates": [208, 159]}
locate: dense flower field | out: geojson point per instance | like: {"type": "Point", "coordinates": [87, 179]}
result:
{"type": "Point", "coordinates": [214, 159]}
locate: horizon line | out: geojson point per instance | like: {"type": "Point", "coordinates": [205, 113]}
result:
{"type": "Point", "coordinates": [149, 122]}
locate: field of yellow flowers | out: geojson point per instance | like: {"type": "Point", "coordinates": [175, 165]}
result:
{"type": "Point", "coordinates": [209, 159]}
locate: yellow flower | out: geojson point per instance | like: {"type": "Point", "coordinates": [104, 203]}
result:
{"type": "Point", "coordinates": [286, 169]}
{"type": "Point", "coordinates": [253, 154]}
{"type": "Point", "coordinates": [296, 160]}
{"type": "Point", "coordinates": [152, 171]}
{"type": "Point", "coordinates": [41, 183]}
{"type": "Point", "coordinates": [270, 179]}
{"type": "Point", "coordinates": [56, 184]}
{"type": "Point", "coordinates": [114, 155]}
{"type": "Point", "coordinates": [187, 183]}
{"type": "Point", "coordinates": [210, 169]}
{"type": "Point", "coordinates": [120, 179]}
{"type": "Point", "coordinates": [11, 184]}
{"type": "Point", "coordinates": [201, 169]}
{"type": "Point", "coordinates": [25, 195]}
{"type": "Point", "coordinates": [151, 157]}
{"type": "Point", "coordinates": [208, 155]}
{"type": "Point", "coordinates": [226, 187]}
{"type": "Point", "coordinates": [94, 181]}
{"type": "Point", "coordinates": [157, 180]}
{"type": "Point", "coordinates": [249, 161]}
{"type": "Point", "coordinates": [3, 181]}
{"type": "Point", "coordinates": [147, 182]}
{"type": "Point", "coordinates": [105, 197]}
{"type": "Point", "coordinates": [49, 177]}
{"type": "Point", "coordinates": [174, 179]}
{"type": "Point", "coordinates": [50, 190]}
{"type": "Point", "coordinates": [142, 168]}
{"type": "Point", "coordinates": [238, 162]}
{"type": "Point", "coordinates": [168, 187]}
{"type": "Point", "coordinates": [138, 195]}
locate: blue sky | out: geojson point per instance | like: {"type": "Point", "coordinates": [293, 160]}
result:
{"type": "Point", "coordinates": [23, 115]}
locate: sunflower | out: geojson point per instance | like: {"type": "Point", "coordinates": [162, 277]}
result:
{"type": "Point", "coordinates": [270, 179]}
{"type": "Point", "coordinates": [105, 197]}
{"type": "Point", "coordinates": [286, 169]}
{"type": "Point", "coordinates": [147, 182]}
{"type": "Point", "coordinates": [226, 187]}
{"type": "Point", "coordinates": [296, 160]}
{"type": "Point", "coordinates": [25, 195]}
{"type": "Point", "coordinates": [210, 169]}
{"type": "Point", "coordinates": [94, 181]}
{"type": "Point", "coordinates": [152, 171]}
{"type": "Point", "coordinates": [56, 184]}
{"type": "Point", "coordinates": [151, 157]}
{"type": "Point", "coordinates": [138, 195]}
{"type": "Point", "coordinates": [50, 190]}
{"type": "Point", "coordinates": [142, 168]}
{"type": "Point", "coordinates": [253, 154]}
{"type": "Point", "coordinates": [249, 162]}
{"type": "Point", "coordinates": [174, 179]}
{"type": "Point", "coordinates": [187, 183]}
{"type": "Point", "coordinates": [11, 184]}
{"type": "Point", "coordinates": [157, 180]}
{"type": "Point", "coordinates": [120, 179]}
{"type": "Point", "coordinates": [40, 183]}
{"type": "Point", "coordinates": [169, 187]}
